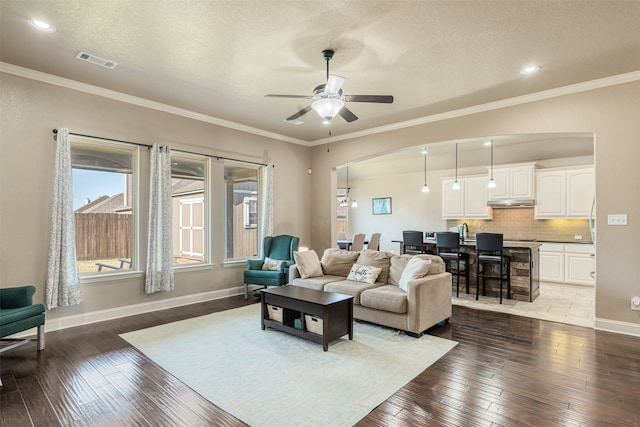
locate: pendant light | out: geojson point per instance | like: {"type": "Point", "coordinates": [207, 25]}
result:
{"type": "Point", "coordinates": [456, 185]}
{"type": "Point", "coordinates": [348, 200]}
{"type": "Point", "coordinates": [425, 188]}
{"type": "Point", "coordinates": [492, 183]}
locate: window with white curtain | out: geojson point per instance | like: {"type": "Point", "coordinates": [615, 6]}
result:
{"type": "Point", "coordinates": [104, 186]}
{"type": "Point", "coordinates": [189, 199]}
{"type": "Point", "coordinates": [241, 210]}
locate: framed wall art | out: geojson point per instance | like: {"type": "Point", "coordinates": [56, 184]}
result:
{"type": "Point", "coordinates": [381, 206]}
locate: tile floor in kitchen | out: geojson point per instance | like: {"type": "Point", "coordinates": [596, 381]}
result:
{"type": "Point", "coordinates": [572, 304]}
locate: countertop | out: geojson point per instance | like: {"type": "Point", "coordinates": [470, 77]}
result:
{"type": "Point", "coordinates": [509, 244]}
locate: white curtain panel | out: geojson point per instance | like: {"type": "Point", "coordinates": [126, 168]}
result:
{"type": "Point", "coordinates": [159, 274]}
{"type": "Point", "coordinates": [63, 282]}
{"type": "Point", "coordinates": [266, 205]}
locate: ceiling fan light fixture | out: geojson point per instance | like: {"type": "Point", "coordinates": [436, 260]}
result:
{"type": "Point", "coordinates": [327, 108]}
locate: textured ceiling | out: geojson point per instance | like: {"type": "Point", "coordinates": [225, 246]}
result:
{"type": "Point", "coordinates": [219, 58]}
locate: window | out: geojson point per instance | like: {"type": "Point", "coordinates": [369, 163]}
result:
{"type": "Point", "coordinates": [104, 204]}
{"type": "Point", "coordinates": [241, 210]}
{"type": "Point", "coordinates": [251, 212]}
{"type": "Point", "coordinates": [341, 211]}
{"type": "Point", "coordinates": [188, 192]}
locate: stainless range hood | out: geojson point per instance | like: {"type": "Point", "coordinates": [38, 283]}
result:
{"type": "Point", "coordinates": [511, 203]}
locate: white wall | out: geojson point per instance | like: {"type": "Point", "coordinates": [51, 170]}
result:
{"type": "Point", "coordinates": [610, 113]}
{"type": "Point", "coordinates": [32, 109]}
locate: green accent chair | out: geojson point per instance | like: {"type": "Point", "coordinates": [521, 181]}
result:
{"type": "Point", "coordinates": [275, 247]}
{"type": "Point", "coordinates": [18, 313]}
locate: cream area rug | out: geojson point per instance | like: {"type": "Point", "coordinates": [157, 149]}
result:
{"type": "Point", "coordinates": [270, 378]}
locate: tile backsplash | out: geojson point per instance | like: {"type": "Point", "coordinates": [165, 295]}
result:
{"type": "Point", "coordinates": [519, 224]}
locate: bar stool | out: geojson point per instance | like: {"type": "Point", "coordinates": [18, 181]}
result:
{"type": "Point", "coordinates": [448, 248]}
{"type": "Point", "coordinates": [489, 251]}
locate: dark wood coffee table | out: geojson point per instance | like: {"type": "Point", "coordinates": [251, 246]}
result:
{"type": "Point", "coordinates": [336, 311]}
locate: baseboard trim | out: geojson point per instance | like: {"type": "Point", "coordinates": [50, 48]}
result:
{"type": "Point", "coordinates": [131, 310]}
{"type": "Point", "coordinates": [617, 327]}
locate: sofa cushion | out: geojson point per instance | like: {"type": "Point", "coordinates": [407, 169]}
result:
{"type": "Point", "coordinates": [437, 265]}
{"type": "Point", "coordinates": [364, 273]}
{"type": "Point", "coordinates": [349, 287]}
{"type": "Point", "coordinates": [415, 269]}
{"type": "Point", "coordinates": [397, 263]}
{"type": "Point", "coordinates": [271, 264]}
{"type": "Point", "coordinates": [338, 262]}
{"type": "Point", "coordinates": [308, 263]}
{"type": "Point", "coordinates": [387, 298]}
{"type": "Point", "coordinates": [380, 259]}
{"type": "Point", "coordinates": [316, 282]}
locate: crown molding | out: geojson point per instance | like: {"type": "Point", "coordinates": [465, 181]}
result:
{"type": "Point", "coordinates": [119, 96]}
{"type": "Point", "coordinates": [524, 99]}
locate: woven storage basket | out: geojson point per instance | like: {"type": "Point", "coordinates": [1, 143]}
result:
{"type": "Point", "coordinates": [313, 324]}
{"type": "Point", "coordinates": [275, 312]}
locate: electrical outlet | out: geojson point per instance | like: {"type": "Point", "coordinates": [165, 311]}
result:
{"type": "Point", "coordinates": [635, 303]}
{"type": "Point", "coordinates": [578, 237]}
{"type": "Point", "coordinates": [617, 219]}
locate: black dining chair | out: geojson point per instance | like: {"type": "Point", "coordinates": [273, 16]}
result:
{"type": "Point", "coordinates": [412, 242]}
{"type": "Point", "coordinates": [448, 248]}
{"type": "Point", "coordinates": [489, 252]}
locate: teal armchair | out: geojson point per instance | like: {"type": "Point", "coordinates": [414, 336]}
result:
{"type": "Point", "coordinates": [278, 248]}
{"type": "Point", "coordinates": [18, 313]}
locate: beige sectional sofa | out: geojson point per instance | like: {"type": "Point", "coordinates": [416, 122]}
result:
{"type": "Point", "coordinates": [425, 303]}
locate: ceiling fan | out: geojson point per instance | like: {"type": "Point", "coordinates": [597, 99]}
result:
{"type": "Point", "coordinates": [329, 99]}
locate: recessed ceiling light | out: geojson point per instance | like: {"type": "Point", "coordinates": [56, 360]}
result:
{"type": "Point", "coordinates": [42, 26]}
{"type": "Point", "coordinates": [530, 70]}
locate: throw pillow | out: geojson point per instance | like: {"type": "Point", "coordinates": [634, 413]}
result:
{"type": "Point", "coordinates": [308, 264]}
{"type": "Point", "coordinates": [378, 259]}
{"type": "Point", "coordinates": [415, 269]}
{"type": "Point", "coordinates": [337, 262]}
{"type": "Point", "coordinates": [398, 264]}
{"type": "Point", "coordinates": [271, 264]}
{"type": "Point", "coordinates": [364, 273]}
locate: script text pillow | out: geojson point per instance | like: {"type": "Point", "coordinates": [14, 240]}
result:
{"type": "Point", "coordinates": [271, 264]}
{"type": "Point", "coordinates": [415, 269]}
{"type": "Point", "coordinates": [364, 273]}
{"type": "Point", "coordinates": [308, 264]}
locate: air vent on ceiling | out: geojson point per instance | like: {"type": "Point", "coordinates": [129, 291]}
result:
{"type": "Point", "coordinates": [97, 60]}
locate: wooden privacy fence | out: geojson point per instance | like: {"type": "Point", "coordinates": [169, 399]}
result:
{"type": "Point", "coordinates": [103, 235]}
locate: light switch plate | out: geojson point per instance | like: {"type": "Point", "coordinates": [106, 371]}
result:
{"type": "Point", "coordinates": [617, 219]}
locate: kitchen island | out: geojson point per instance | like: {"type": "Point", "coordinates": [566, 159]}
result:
{"type": "Point", "coordinates": [525, 269]}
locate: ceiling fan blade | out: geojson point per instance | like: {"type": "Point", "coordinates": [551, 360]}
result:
{"type": "Point", "coordinates": [300, 113]}
{"type": "Point", "coordinates": [334, 83]}
{"type": "Point", "coordinates": [347, 114]}
{"type": "Point", "coordinates": [271, 95]}
{"type": "Point", "coordinates": [385, 99]}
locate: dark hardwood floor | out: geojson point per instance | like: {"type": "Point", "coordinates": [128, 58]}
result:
{"type": "Point", "coordinates": [506, 371]}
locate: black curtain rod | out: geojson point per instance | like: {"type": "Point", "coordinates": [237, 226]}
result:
{"type": "Point", "coordinates": [139, 144]}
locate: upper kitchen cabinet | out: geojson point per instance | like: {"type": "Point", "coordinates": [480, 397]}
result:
{"type": "Point", "coordinates": [470, 201]}
{"type": "Point", "coordinates": [564, 193]}
{"type": "Point", "coordinates": [513, 182]}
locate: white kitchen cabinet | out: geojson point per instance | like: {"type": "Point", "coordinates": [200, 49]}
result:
{"type": "Point", "coordinates": [567, 263]}
{"type": "Point", "coordinates": [470, 201]}
{"type": "Point", "coordinates": [552, 262]}
{"type": "Point", "coordinates": [551, 194]}
{"type": "Point", "coordinates": [513, 182]}
{"type": "Point", "coordinates": [475, 198]}
{"type": "Point", "coordinates": [452, 200]}
{"type": "Point", "coordinates": [564, 193]}
{"type": "Point", "coordinates": [579, 260]}
{"type": "Point", "coordinates": [580, 192]}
